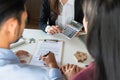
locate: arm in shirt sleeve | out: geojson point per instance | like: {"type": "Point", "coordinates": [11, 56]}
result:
{"type": "Point", "coordinates": [55, 74]}
{"type": "Point", "coordinates": [44, 15]}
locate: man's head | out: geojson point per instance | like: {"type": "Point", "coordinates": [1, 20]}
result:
{"type": "Point", "coordinates": [12, 20]}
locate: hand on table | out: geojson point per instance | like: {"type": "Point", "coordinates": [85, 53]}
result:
{"type": "Point", "coordinates": [70, 70]}
{"type": "Point", "coordinates": [54, 30]}
{"type": "Point", "coordinates": [21, 54]}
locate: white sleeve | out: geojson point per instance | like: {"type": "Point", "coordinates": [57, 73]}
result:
{"type": "Point", "coordinates": [46, 29]}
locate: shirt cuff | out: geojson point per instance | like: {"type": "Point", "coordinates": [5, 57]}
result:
{"type": "Point", "coordinates": [55, 74]}
{"type": "Point", "coordinates": [46, 29]}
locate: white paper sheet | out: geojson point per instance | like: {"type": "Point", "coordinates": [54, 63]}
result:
{"type": "Point", "coordinates": [43, 47]}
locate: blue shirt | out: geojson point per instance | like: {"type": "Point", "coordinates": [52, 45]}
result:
{"type": "Point", "coordinates": [12, 69]}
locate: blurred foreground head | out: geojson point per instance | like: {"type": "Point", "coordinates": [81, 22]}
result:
{"type": "Point", "coordinates": [12, 20]}
{"type": "Point", "coordinates": [103, 39]}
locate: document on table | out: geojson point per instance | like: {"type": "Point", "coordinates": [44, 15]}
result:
{"type": "Point", "coordinates": [43, 47]}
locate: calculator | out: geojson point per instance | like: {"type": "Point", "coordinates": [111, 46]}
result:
{"type": "Point", "coordinates": [69, 32]}
{"type": "Point", "coordinates": [71, 29]}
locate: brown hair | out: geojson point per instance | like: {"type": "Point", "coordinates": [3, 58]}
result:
{"type": "Point", "coordinates": [55, 6]}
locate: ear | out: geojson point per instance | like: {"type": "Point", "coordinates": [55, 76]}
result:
{"type": "Point", "coordinates": [11, 26]}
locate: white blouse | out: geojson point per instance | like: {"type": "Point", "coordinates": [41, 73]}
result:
{"type": "Point", "coordinates": [66, 15]}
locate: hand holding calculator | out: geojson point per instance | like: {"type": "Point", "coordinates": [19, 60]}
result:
{"type": "Point", "coordinates": [71, 29]}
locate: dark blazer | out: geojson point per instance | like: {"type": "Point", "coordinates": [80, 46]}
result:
{"type": "Point", "coordinates": [47, 17]}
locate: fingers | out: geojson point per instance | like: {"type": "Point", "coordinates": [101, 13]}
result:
{"type": "Point", "coordinates": [78, 33]}
{"type": "Point", "coordinates": [47, 56]}
{"type": "Point", "coordinates": [43, 59]}
{"type": "Point", "coordinates": [22, 53]}
{"type": "Point", "coordinates": [23, 61]}
{"type": "Point", "coordinates": [67, 68]}
{"type": "Point", "coordinates": [70, 67]}
{"type": "Point", "coordinates": [70, 70]}
{"type": "Point", "coordinates": [77, 69]}
{"type": "Point", "coordinates": [64, 68]}
{"type": "Point", "coordinates": [49, 60]}
{"type": "Point", "coordinates": [73, 68]}
{"type": "Point", "coordinates": [54, 30]}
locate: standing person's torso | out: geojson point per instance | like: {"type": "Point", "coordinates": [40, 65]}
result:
{"type": "Point", "coordinates": [72, 9]}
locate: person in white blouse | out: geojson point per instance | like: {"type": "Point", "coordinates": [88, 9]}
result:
{"type": "Point", "coordinates": [55, 14]}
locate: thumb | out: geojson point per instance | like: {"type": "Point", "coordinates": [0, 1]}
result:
{"type": "Point", "coordinates": [43, 58]}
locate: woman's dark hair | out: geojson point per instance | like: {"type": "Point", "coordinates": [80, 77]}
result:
{"type": "Point", "coordinates": [103, 39]}
{"type": "Point", "coordinates": [11, 8]}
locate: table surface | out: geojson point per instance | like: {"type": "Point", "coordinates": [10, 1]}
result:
{"type": "Point", "coordinates": [70, 46]}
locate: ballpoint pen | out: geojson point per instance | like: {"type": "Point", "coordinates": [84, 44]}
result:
{"type": "Point", "coordinates": [51, 40]}
{"type": "Point", "coordinates": [44, 55]}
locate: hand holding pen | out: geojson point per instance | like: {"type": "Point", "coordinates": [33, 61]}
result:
{"type": "Point", "coordinates": [49, 60]}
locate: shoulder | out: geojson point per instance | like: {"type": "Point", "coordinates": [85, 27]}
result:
{"type": "Point", "coordinates": [23, 72]}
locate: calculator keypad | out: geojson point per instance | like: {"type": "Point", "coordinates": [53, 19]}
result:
{"type": "Point", "coordinates": [70, 32]}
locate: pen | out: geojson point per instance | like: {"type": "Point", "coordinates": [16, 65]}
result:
{"type": "Point", "coordinates": [46, 54]}
{"type": "Point", "coordinates": [51, 40]}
